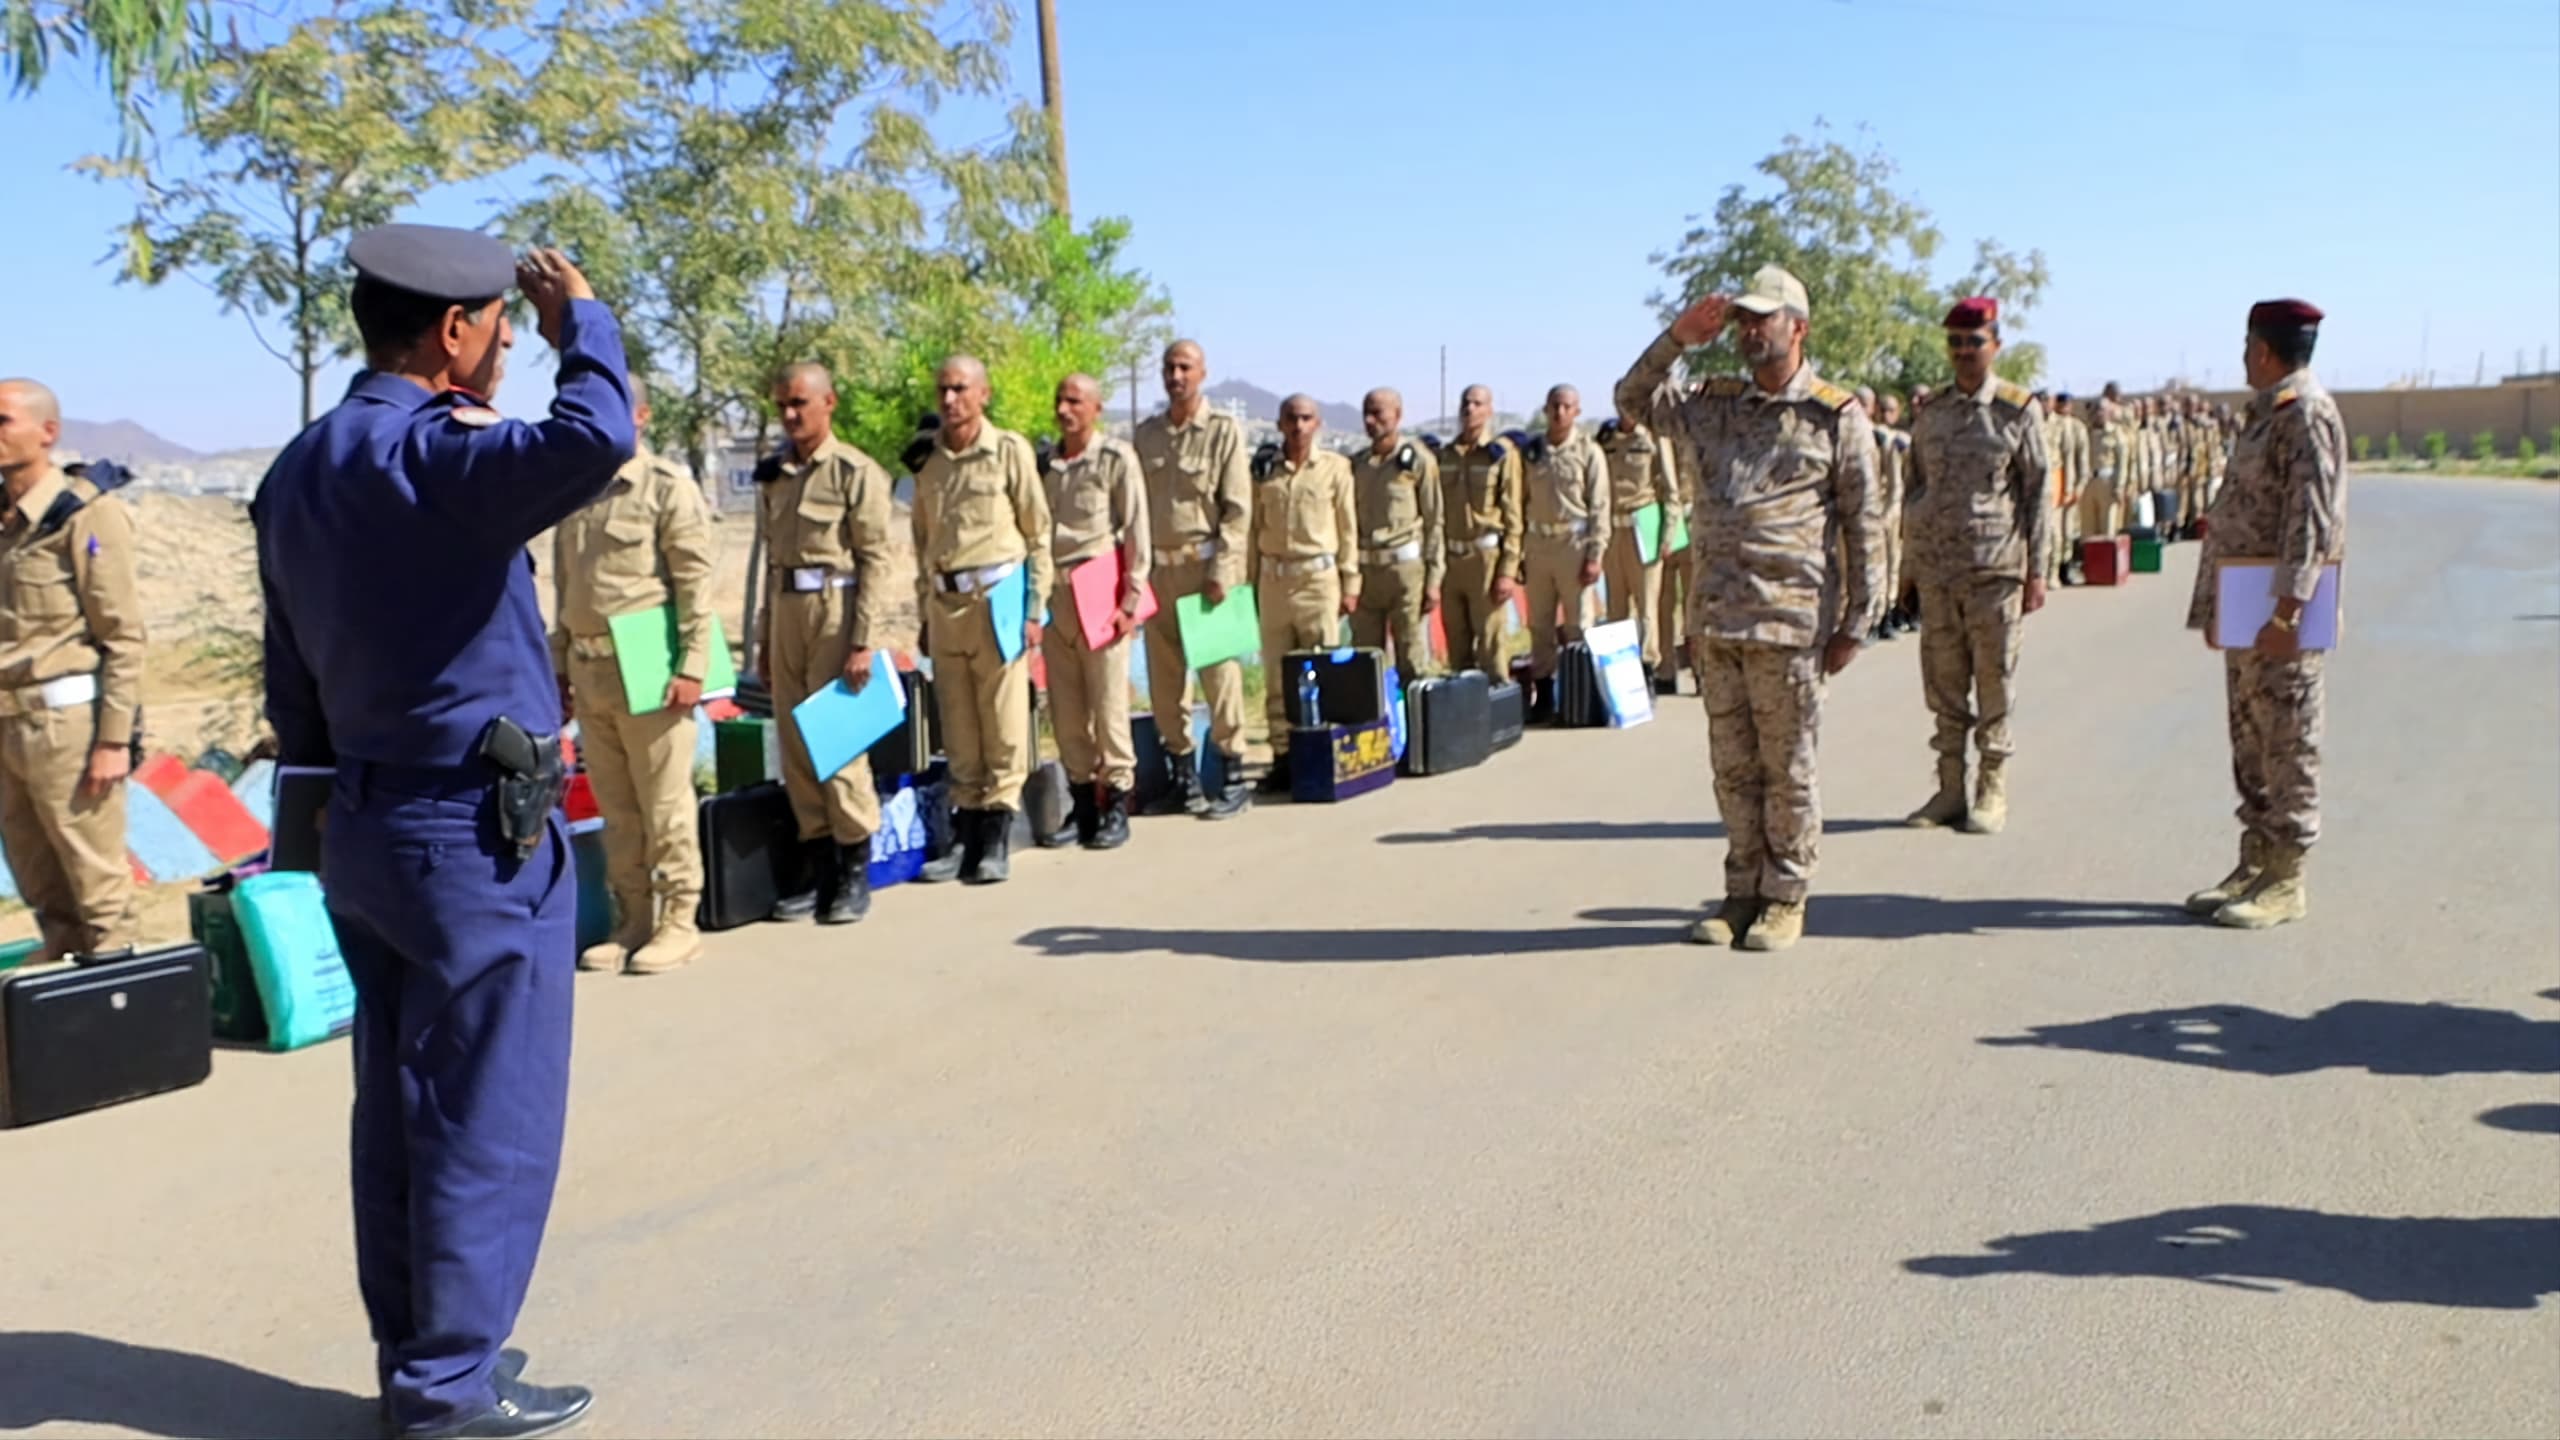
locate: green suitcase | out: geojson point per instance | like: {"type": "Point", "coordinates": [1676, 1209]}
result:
{"type": "Point", "coordinates": [2146, 557]}
{"type": "Point", "coordinates": [745, 751]}
{"type": "Point", "coordinates": [237, 1012]}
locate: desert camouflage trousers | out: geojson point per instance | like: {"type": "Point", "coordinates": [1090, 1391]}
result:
{"type": "Point", "coordinates": [2275, 706]}
{"type": "Point", "coordinates": [1764, 715]}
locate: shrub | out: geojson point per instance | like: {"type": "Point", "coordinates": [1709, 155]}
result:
{"type": "Point", "coordinates": [2484, 445]}
{"type": "Point", "coordinates": [2391, 445]}
{"type": "Point", "coordinates": [2525, 448]}
{"type": "Point", "coordinates": [2551, 439]}
{"type": "Point", "coordinates": [2364, 447]}
{"type": "Point", "coordinates": [2435, 445]}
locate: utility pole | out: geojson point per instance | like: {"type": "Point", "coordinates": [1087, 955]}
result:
{"type": "Point", "coordinates": [1053, 99]}
{"type": "Point", "coordinates": [1444, 386]}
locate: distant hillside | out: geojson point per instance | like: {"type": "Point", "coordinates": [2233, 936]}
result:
{"type": "Point", "coordinates": [123, 441]}
{"type": "Point", "coordinates": [1261, 404]}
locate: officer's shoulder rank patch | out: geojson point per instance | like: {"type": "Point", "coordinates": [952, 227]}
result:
{"type": "Point", "coordinates": [1406, 460]}
{"type": "Point", "coordinates": [2014, 395]}
{"type": "Point", "coordinates": [2285, 396]}
{"type": "Point", "coordinates": [1724, 387]}
{"type": "Point", "coordinates": [478, 417]}
{"type": "Point", "coordinates": [1832, 395]}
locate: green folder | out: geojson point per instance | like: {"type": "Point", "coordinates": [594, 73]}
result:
{"type": "Point", "coordinates": [645, 642]}
{"type": "Point", "coordinates": [1675, 532]}
{"type": "Point", "coordinates": [1648, 533]}
{"type": "Point", "coordinates": [1212, 637]}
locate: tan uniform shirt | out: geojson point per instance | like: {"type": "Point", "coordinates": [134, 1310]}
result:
{"type": "Point", "coordinates": [1098, 500]}
{"type": "Point", "coordinates": [1199, 489]}
{"type": "Point", "coordinates": [69, 604]}
{"type": "Point", "coordinates": [2285, 498]}
{"type": "Point", "coordinates": [1397, 499]}
{"type": "Point", "coordinates": [1781, 478]}
{"type": "Point", "coordinates": [2071, 454]}
{"type": "Point", "coordinates": [1979, 494]}
{"type": "Point", "coordinates": [1301, 511]}
{"type": "Point", "coordinates": [1565, 493]}
{"type": "Point", "coordinates": [1480, 495]}
{"type": "Point", "coordinates": [830, 512]}
{"type": "Point", "coordinates": [1640, 472]}
{"type": "Point", "coordinates": [983, 506]}
{"type": "Point", "coordinates": [646, 541]}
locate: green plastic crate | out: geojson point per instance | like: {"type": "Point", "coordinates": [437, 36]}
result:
{"type": "Point", "coordinates": [2146, 557]}
{"type": "Point", "coordinates": [237, 1012]}
{"type": "Point", "coordinates": [746, 751]}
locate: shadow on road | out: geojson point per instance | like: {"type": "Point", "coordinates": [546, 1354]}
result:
{"type": "Point", "coordinates": [1909, 917]}
{"type": "Point", "coordinates": [1607, 830]}
{"type": "Point", "coordinates": [54, 1376]}
{"type": "Point", "coordinates": [1353, 946]}
{"type": "Point", "coordinates": [2524, 1119]}
{"type": "Point", "coordinates": [2499, 1263]}
{"type": "Point", "coordinates": [2383, 1037]}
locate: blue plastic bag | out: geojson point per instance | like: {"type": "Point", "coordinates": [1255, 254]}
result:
{"type": "Point", "coordinates": [1395, 713]}
{"type": "Point", "coordinates": [293, 956]}
{"type": "Point", "coordinates": [898, 847]}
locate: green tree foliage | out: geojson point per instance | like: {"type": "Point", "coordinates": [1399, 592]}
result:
{"type": "Point", "coordinates": [298, 145]}
{"type": "Point", "coordinates": [1868, 257]}
{"type": "Point", "coordinates": [139, 48]}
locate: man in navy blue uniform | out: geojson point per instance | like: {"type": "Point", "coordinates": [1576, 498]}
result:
{"type": "Point", "coordinates": [405, 648]}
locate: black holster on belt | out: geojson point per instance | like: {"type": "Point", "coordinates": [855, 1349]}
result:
{"type": "Point", "coordinates": [531, 780]}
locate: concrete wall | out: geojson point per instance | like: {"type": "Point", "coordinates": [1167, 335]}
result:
{"type": "Point", "coordinates": [2509, 410]}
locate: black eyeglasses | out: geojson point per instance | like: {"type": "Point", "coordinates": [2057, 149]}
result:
{"type": "Point", "coordinates": [1967, 342]}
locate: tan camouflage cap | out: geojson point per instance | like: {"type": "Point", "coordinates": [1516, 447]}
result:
{"type": "Point", "coordinates": [1773, 289]}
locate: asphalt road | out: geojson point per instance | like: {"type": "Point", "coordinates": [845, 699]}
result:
{"type": "Point", "coordinates": [1413, 1116]}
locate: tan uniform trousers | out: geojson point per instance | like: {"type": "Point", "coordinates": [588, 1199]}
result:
{"type": "Point", "coordinates": [985, 703]}
{"type": "Point", "coordinates": [1088, 697]}
{"type": "Point", "coordinates": [1635, 590]}
{"type": "Point", "coordinates": [1470, 615]}
{"type": "Point", "coordinates": [1559, 603]}
{"type": "Point", "coordinates": [1299, 612]}
{"type": "Point", "coordinates": [2098, 510]}
{"type": "Point", "coordinates": [642, 769]}
{"type": "Point", "coordinates": [1169, 670]}
{"type": "Point", "coordinates": [808, 644]}
{"type": "Point", "coordinates": [1893, 577]}
{"type": "Point", "coordinates": [1391, 606]}
{"type": "Point", "coordinates": [66, 849]}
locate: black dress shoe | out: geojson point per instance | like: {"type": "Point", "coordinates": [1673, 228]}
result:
{"type": "Point", "coordinates": [522, 1411]}
{"type": "Point", "coordinates": [511, 1363]}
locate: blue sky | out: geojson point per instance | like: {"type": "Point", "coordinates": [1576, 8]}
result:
{"type": "Point", "coordinates": [1333, 190]}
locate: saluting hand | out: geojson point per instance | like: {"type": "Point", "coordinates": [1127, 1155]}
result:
{"type": "Point", "coordinates": [549, 283]}
{"type": "Point", "coordinates": [1703, 321]}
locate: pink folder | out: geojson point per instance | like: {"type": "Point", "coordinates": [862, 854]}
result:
{"type": "Point", "coordinates": [1096, 583]}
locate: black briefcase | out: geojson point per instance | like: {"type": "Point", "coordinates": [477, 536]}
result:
{"type": "Point", "coordinates": [751, 855]}
{"type": "Point", "coordinates": [1155, 770]}
{"type": "Point", "coordinates": [1509, 703]}
{"type": "Point", "coordinates": [1448, 723]}
{"type": "Point", "coordinates": [909, 749]}
{"type": "Point", "coordinates": [1351, 686]}
{"type": "Point", "coordinates": [89, 1036]}
{"type": "Point", "coordinates": [1578, 702]}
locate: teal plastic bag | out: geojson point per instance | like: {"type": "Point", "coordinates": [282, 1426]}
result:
{"type": "Point", "coordinates": [293, 956]}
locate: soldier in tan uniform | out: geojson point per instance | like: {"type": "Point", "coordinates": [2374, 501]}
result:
{"type": "Point", "coordinates": [1396, 491]}
{"type": "Point", "coordinates": [646, 542]}
{"type": "Point", "coordinates": [1639, 475]}
{"type": "Point", "coordinates": [823, 510]}
{"type": "Point", "coordinates": [1672, 606]}
{"type": "Point", "coordinates": [1788, 557]}
{"type": "Point", "coordinates": [2111, 467]}
{"type": "Point", "coordinates": [1480, 505]}
{"type": "Point", "coordinates": [71, 649]}
{"type": "Point", "coordinates": [1097, 507]}
{"type": "Point", "coordinates": [1305, 561]}
{"type": "Point", "coordinates": [1199, 504]}
{"type": "Point", "coordinates": [2070, 438]}
{"type": "Point", "coordinates": [981, 515]}
{"type": "Point", "coordinates": [1980, 514]}
{"type": "Point", "coordinates": [2284, 500]}
{"type": "Point", "coordinates": [1564, 493]}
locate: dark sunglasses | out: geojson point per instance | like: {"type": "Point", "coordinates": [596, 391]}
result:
{"type": "Point", "coordinates": [1967, 342]}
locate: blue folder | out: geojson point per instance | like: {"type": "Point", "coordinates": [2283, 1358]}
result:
{"type": "Point", "coordinates": [839, 723]}
{"type": "Point", "coordinates": [1007, 607]}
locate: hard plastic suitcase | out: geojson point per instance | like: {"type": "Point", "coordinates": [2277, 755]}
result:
{"type": "Point", "coordinates": [1578, 702]}
{"type": "Point", "coordinates": [595, 899]}
{"type": "Point", "coordinates": [2147, 556]}
{"type": "Point", "coordinates": [1351, 685]}
{"type": "Point", "coordinates": [909, 749]}
{"type": "Point", "coordinates": [1448, 723]}
{"type": "Point", "coordinates": [1155, 772]}
{"type": "Point", "coordinates": [751, 856]}
{"type": "Point", "coordinates": [1049, 805]}
{"type": "Point", "coordinates": [84, 1037]}
{"type": "Point", "coordinates": [1337, 762]}
{"type": "Point", "coordinates": [236, 1011]}
{"type": "Point", "coordinates": [2106, 559]}
{"type": "Point", "coordinates": [745, 751]}
{"type": "Point", "coordinates": [1509, 704]}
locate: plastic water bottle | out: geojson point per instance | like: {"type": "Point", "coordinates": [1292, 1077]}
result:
{"type": "Point", "coordinates": [1310, 714]}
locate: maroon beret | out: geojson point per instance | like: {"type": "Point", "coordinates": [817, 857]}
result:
{"type": "Point", "coordinates": [2283, 315]}
{"type": "Point", "coordinates": [1974, 313]}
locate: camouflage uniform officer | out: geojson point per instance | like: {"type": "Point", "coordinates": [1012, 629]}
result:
{"type": "Point", "coordinates": [2204, 447]}
{"type": "Point", "coordinates": [1564, 492]}
{"type": "Point", "coordinates": [1639, 474]}
{"type": "Point", "coordinates": [1305, 561]}
{"type": "Point", "coordinates": [2068, 436]}
{"type": "Point", "coordinates": [1893, 465]}
{"type": "Point", "coordinates": [823, 511]}
{"type": "Point", "coordinates": [981, 518]}
{"type": "Point", "coordinates": [1671, 611]}
{"type": "Point", "coordinates": [2111, 467]}
{"type": "Point", "coordinates": [1199, 503]}
{"type": "Point", "coordinates": [1981, 518]}
{"type": "Point", "coordinates": [1480, 503]}
{"type": "Point", "coordinates": [1396, 491]}
{"type": "Point", "coordinates": [646, 542]}
{"type": "Point", "coordinates": [2285, 500]}
{"type": "Point", "coordinates": [1097, 506]}
{"type": "Point", "coordinates": [1787, 557]}
{"type": "Point", "coordinates": [71, 651]}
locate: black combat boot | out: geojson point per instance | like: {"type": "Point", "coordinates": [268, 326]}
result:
{"type": "Point", "coordinates": [1542, 701]}
{"type": "Point", "coordinates": [1087, 799]}
{"type": "Point", "coordinates": [992, 863]}
{"type": "Point", "coordinates": [852, 899]}
{"type": "Point", "coordinates": [1233, 797]}
{"type": "Point", "coordinates": [804, 904]}
{"type": "Point", "coordinates": [1182, 787]}
{"type": "Point", "coordinates": [1111, 830]}
{"type": "Point", "coordinates": [956, 862]}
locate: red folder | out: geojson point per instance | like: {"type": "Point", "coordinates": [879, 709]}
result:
{"type": "Point", "coordinates": [1096, 584]}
